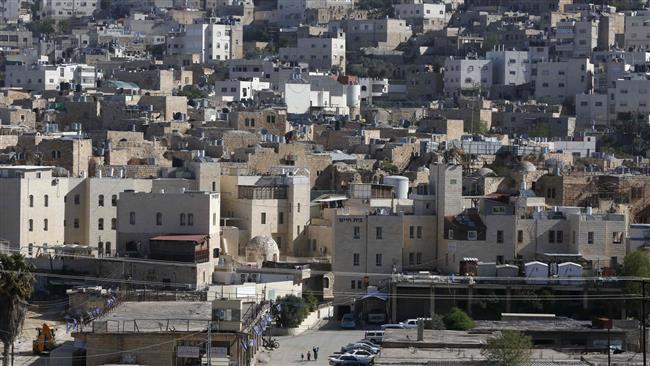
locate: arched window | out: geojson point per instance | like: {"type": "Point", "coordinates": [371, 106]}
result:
{"type": "Point", "coordinates": [100, 200]}
{"type": "Point", "coordinates": [100, 224]}
{"type": "Point", "coordinates": [114, 200]}
{"type": "Point", "coordinates": [158, 218]}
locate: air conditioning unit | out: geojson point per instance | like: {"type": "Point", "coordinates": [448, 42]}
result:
{"type": "Point", "coordinates": [243, 277]}
{"type": "Point", "coordinates": [254, 277]}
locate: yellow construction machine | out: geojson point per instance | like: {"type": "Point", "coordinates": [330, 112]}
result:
{"type": "Point", "coordinates": [45, 340]}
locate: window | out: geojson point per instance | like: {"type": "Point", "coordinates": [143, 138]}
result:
{"type": "Point", "coordinates": [411, 259]}
{"type": "Point", "coordinates": [450, 234]}
{"type": "Point", "coordinates": [418, 232]}
{"type": "Point", "coordinates": [158, 219]}
{"type": "Point", "coordinates": [617, 237]}
{"type": "Point", "coordinates": [132, 218]}
{"type": "Point", "coordinates": [100, 200]}
{"type": "Point", "coordinates": [45, 225]}
{"type": "Point", "coordinates": [590, 237]}
{"type": "Point", "coordinates": [298, 229]}
{"type": "Point", "coordinates": [418, 258]}
{"type": "Point", "coordinates": [108, 248]}
{"type": "Point", "coordinates": [411, 232]}
{"type": "Point", "coordinates": [263, 218]}
{"type": "Point", "coordinates": [357, 232]}
{"type": "Point", "coordinates": [298, 206]}
{"type": "Point", "coordinates": [31, 200]}
{"type": "Point", "coordinates": [114, 200]}
{"type": "Point", "coordinates": [280, 218]}
{"type": "Point", "coordinates": [75, 224]}
{"type": "Point", "coordinates": [520, 236]}
{"type": "Point", "coordinates": [559, 236]}
{"type": "Point", "coordinates": [214, 218]}
{"type": "Point", "coordinates": [30, 225]}
{"type": "Point", "coordinates": [353, 284]}
{"type": "Point", "coordinates": [77, 199]}
{"type": "Point", "coordinates": [472, 235]}
{"type": "Point", "coordinates": [551, 236]}
{"type": "Point", "coordinates": [498, 210]}
{"type": "Point", "coordinates": [190, 219]}
{"type": "Point", "coordinates": [358, 283]}
{"type": "Point", "coordinates": [113, 224]}
{"type": "Point", "coordinates": [355, 259]}
{"type": "Point", "coordinates": [378, 259]}
{"type": "Point", "coordinates": [100, 224]}
{"type": "Point", "coordinates": [379, 232]}
{"type": "Point", "coordinates": [499, 236]}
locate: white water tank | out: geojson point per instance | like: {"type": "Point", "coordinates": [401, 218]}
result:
{"type": "Point", "coordinates": [400, 185]}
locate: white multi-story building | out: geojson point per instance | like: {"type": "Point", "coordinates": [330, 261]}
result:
{"type": "Point", "coordinates": [637, 29]}
{"type": "Point", "coordinates": [556, 82]}
{"type": "Point", "coordinates": [320, 92]}
{"type": "Point", "coordinates": [68, 8]}
{"type": "Point", "coordinates": [321, 53]}
{"type": "Point", "coordinates": [630, 97]}
{"type": "Point", "coordinates": [214, 41]}
{"type": "Point", "coordinates": [12, 10]}
{"type": "Point", "coordinates": [467, 75]}
{"type": "Point", "coordinates": [276, 206]}
{"type": "Point", "coordinates": [591, 110]}
{"type": "Point", "coordinates": [422, 16]}
{"type": "Point", "coordinates": [31, 208]}
{"type": "Point", "coordinates": [236, 90]}
{"type": "Point", "coordinates": [509, 67]}
{"type": "Point", "coordinates": [40, 77]}
{"type": "Point", "coordinates": [576, 38]}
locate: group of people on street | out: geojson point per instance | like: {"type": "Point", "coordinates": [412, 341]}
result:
{"type": "Point", "coordinates": [313, 351]}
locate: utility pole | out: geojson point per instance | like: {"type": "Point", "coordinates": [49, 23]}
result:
{"type": "Point", "coordinates": [209, 348]}
{"type": "Point", "coordinates": [643, 321]}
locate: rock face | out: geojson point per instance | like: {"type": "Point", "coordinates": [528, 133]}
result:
{"type": "Point", "coordinates": [262, 248]}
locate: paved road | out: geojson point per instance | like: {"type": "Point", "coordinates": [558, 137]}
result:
{"type": "Point", "coordinates": [329, 338]}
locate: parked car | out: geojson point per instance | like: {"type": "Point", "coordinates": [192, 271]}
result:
{"type": "Point", "coordinates": [360, 345]}
{"type": "Point", "coordinates": [348, 322]}
{"type": "Point", "coordinates": [376, 317]}
{"type": "Point", "coordinates": [361, 353]}
{"type": "Point", "coordinates": [347, 359]}
{"type": "Point", "coordinates": [410, 323]}
{"type": "Point", "coordinates": [393, 326]}
{"type": "Point", "coordinates": [376, 336]}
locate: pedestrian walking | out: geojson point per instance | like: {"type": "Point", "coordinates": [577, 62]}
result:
{"type": "Point", "coordinates": [302, 356]}
{"type": "Point", "coordinates": [315, 349]}
{"type": "Point", "coordinates": [308, 355]}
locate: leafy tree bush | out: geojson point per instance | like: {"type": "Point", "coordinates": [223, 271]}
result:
{"type": "Point", "coordinates": [311, 300]}
{"type": "Point", "coordinates": [435, 322]}
{"type": "Point", "coordinates": [16, 284]}
{"type": "Point", "coordinates": [293, 311]}
{"type": "Point", "coordinates": [511, 348]}
{"type": "Point", "coordinates": [192, 92]}
{"type": "Point", "coordinates": [457, 319]}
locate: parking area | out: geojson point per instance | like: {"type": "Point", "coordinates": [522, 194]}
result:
{"type": "Point", "coordinates": [329, 338]}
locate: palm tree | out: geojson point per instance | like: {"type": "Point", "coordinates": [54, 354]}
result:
{"type": "Point", "coordinates": [16, 284]}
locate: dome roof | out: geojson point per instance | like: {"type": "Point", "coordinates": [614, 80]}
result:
{"type": "Point", "coordinates": [262, 244]}
{"type": "Point", "coordinates": [526, 167]}
{"type": "Point", "coordinates": [484, 172]}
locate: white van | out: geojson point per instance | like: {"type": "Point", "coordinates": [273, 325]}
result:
{"type": "Point", "coordinates": [376, 336]}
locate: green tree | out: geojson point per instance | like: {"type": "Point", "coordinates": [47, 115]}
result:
{"type": "Point", "coordinates": [435, 322]}
{"type": "Point", "coordinates": [293, 311]}
{"type": "Point", "coordinates": [192, 92]}
{"type": "Point", "coordinates": [63, 27]}
{"type": "Point", "coordinates": [311, 300]}
{"type": "Point", "coordinates": [43, 27]}
{"type": "Point", "coordinates": [635, 264]}
{"type": "Point", "coordinates": [511, 348]}
{"type": "Point", "coordinates": [16, 284]}
{"type": "Point", "coordinates": [457, 319]}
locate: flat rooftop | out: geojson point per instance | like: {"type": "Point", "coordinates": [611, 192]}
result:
{"type": "Point", "coordinates": [157, 316]}
{"type": "Point", "coordinates": [558, 324]}
{"type": "Point", "coordinates": [445, 356]}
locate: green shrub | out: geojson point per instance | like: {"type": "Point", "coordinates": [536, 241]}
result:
{"type": "Point", "coordinates": [293, 311]}
{"type": "Point", "coordinates": [457, 319]}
